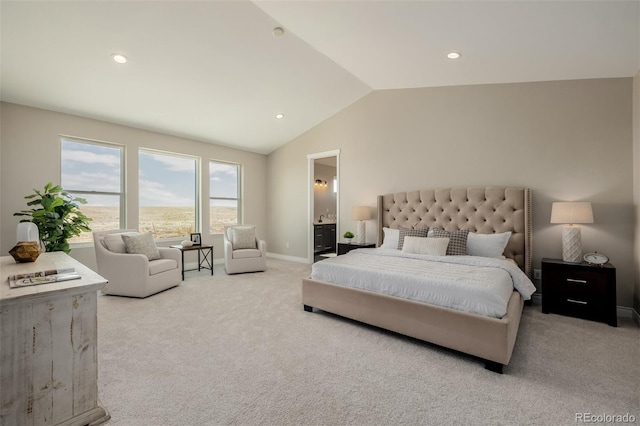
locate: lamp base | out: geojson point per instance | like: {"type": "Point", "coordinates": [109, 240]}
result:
{"type": "Point", "coordinates": [571, 244]}
{"type": "Point", "coordinates": [361, 234]}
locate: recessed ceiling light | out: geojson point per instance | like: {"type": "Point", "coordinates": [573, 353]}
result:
{"type": "Point", "coordinates": [453, 55]}
{"type": "Point", "coordinates": [279, 116]}
{"type": "Point", "coordinates": [278, 31]}
{"type": "Point", "coordinates": [119, 58]}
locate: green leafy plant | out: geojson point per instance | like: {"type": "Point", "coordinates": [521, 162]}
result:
{"type": "Point", "coordinates": [57, 215]}
{"type": "Point", "coordinates": [348, 234]}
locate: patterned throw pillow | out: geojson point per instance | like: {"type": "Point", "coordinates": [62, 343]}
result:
{"type": "Point", "coordinates": [243, 237]}
{"type": "Point", "coordinates": [404, 232]}
{"type": "Point", "coordinates": [457, 240]}
{"type": "Point", "coordinates": [141, 244]}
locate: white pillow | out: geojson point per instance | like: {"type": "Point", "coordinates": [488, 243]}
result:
{"type": "Point", "coordinates": [423, 245]}
{"type": "Point", "coordinates": [390, 240]}
{"type": "Point", "coordinates": [487, 245]}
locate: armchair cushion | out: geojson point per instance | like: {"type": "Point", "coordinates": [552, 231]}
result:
{"type": "Point", "coordinates": [161, 265]}
{"type": "Point", "coordinates": [243, 237]}
{"type": "Point", "coordinates": [141, 244]}
{"type": "Point", "coordinates": [246, 253]}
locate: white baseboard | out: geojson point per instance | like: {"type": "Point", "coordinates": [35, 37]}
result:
{"type": "Point", "coordinates": [289, 258]}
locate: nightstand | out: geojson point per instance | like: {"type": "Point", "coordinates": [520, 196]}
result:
{"type": "Point", "coordinates": [344, 248]}
{"type": "Point", "coordinates": [579, 290]}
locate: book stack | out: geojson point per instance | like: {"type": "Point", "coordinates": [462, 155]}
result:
{"type": "Point", "coordinates": [43, 277]}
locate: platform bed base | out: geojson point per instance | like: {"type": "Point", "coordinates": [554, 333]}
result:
{"type": "Point", "coordinates": [491, 339]}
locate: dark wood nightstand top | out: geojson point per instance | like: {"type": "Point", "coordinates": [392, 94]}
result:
{"type": "Point", "coordinates": [344, 248]}
{"type": "Point", "coordinates": [578, 265]}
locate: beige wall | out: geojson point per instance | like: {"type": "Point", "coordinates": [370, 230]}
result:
{"type": "Point", "coordinates": [567, 140]}
{"type": "Point", "coordinates": [636, 189]}
{"type": "Point", "coordinates": [31, 158]}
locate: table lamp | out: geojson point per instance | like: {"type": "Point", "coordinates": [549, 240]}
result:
{"type": "Point", "coordinates": [571, 213]}
{"type": "Point", "coordinates": [361, 213]}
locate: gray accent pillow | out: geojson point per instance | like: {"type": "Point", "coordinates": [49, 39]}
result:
{"type": "Point", "coordinates": [141, 244]}
{"type": "Point", "coordinates": [243, 237]}
{"type": "Point", "coordinates": [457, 240]}
{"type": "Point", "coordinates": [404, 232]}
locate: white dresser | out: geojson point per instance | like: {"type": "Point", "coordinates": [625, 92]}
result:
{"type": "Point", "coordinates": [48, 346]}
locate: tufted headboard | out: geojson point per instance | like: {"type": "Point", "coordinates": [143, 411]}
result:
{"type": "Point", "coordinates": [484, 210]}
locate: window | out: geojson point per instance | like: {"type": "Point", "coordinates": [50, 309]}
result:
{"type": "Point", "coordinates": [167, 188]}
{"type": "Point", "coordinates": [93, 171]}
{"type": "Point", "coordinates": [224, 195]}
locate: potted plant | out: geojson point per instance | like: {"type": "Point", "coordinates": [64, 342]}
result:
{"type": "Point", "coordinates": [57, 216]}
{"type": "Point", "coordinates": [348, 236]}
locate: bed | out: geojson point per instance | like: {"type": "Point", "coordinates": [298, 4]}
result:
{"type": "Point", "coordinates": [481, 210]}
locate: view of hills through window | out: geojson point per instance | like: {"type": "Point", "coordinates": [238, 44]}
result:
{"type": "Point", "coordinates": [167, 194]}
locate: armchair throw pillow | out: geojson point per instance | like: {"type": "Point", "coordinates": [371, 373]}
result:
{"type": "Point", "coordinates": [243, 237]}
{"type": "Point", "coordinates": [141, 244]}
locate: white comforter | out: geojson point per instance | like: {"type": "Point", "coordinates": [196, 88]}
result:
{"type": "Point", "coordinates": [478, 285]}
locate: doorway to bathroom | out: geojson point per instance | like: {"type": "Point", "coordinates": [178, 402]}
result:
{"type": "Point", "coordinates": [323, 205]}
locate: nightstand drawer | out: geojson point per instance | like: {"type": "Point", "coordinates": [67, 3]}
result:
{"type": "Point", "coordinates": [580, 279]}
{"type": "Point", "coordinates": [578, 306]}
{"type": "Point", "coordinates": [579, 284]}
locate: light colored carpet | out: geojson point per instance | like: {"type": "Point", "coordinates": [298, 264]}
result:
{"type": "Point", "coordinates": [241, 350]}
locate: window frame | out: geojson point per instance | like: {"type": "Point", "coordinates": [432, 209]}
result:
{"type": "Point", "coordinates": [123, 187]}
{"type": "Point", "coordinates": [239, 193]}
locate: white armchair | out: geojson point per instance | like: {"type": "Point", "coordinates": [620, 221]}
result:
{"type": "Point", "coordinates": [243, 258]}
{"type": "Point", "coordinates": [134, 275]}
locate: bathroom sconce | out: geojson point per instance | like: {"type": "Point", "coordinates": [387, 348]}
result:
{"type": "Point", "coordinates": [320, 182]}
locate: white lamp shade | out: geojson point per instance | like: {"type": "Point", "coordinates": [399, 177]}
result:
{"type": "Point", "coordinates": [571, 212]}
{"type": "Point", "coordinates": [360, 213]}
{"type": "Point", "coordinates": [27, 231]}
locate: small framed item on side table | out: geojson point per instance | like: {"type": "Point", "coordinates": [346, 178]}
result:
{"type": "Point", "coordinates": [196, 239]}
{"type": "Point", "coordinates": [581, 290]}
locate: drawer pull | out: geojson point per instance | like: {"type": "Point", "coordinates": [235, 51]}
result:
{"type": "Point", "coordinates": [571, 280]}
{"type": "Point", "coordinates": [580, 302]}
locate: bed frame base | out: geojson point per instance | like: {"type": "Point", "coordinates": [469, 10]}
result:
{"type": "Point", "coordinates": [491, 339]}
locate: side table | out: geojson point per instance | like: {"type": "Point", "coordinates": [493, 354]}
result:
{"type": "Point", "coordinates": [205, 257]}
{"type": "Point", "coordinates": [344, 248]}
{"type": "Point", "coordinates": [579, 290]}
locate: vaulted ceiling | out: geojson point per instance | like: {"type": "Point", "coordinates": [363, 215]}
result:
{"type": "Point", "coordinates": [214, 71]}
